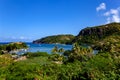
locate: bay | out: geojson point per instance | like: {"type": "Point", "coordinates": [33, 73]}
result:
{"type": "Point", "coordinates": [41, 47]}
{"type": "Point", "coordinates": [46, 47]}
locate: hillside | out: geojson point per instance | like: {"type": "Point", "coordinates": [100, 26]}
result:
{"type": "Point", "coordinates": [104, 37]}
{"type": "Point", "coordinates": [62, 39]}
{"type": "Point", "coordinates": [90, 35]}
{"type": "Point", "coordinates": [93, 35]}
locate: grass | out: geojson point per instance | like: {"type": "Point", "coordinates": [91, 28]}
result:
{"type": "Point", "coordinates": [35, 60]}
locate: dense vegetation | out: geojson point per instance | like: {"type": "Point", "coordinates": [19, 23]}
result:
{"type": "Point", "coordinates": [99, 34]}
{"type": "Point", "coordinates": [12, 46]}
{"type": "Point", "coordinates": [76, 64]}
{"type": "Point", "coordinates": [62, 39]}
{"type": "Point", "coordinates": [79, 63]}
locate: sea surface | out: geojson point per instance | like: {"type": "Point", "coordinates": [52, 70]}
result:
{"type": "Point", "coordinates": [46, 47]}
{"type": "Point", "coordinates": [43, 47]}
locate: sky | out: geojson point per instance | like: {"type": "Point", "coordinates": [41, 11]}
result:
{"type": "Point", "coordinates": [28, 20]}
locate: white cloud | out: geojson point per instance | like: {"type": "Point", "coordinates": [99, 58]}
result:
{"type": "Point", "coordinates": [114, 11]}
{"type": "Point", "coordinates": [112, 15]}
{"type": "Point", "coordinates": [106, 14]}
{"type": "Point", "coordinates": [102, 6]}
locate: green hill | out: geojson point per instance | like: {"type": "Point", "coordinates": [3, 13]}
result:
{"type": "Point", "coordinates": [62, 39]}
{"type": "Point", "coordinates": [93, 35]}
{"type": "Point", "coordinates": [90, 35]}
{"type": "Point", "coordinates": [101, 37]}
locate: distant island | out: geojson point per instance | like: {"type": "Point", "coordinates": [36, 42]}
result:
{"type": "Point", "coordinates": [61, 39]}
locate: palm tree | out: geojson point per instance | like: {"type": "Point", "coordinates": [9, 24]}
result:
{"type": "Point", "coordinates": [55, 49]}
{"type": "Point", "coordinates": [80, 53]}
{"type": "Point", "coordinates": [61, 50]}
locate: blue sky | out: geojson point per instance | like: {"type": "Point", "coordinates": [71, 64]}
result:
{"type": "Point", "coordinates": [27, 20]}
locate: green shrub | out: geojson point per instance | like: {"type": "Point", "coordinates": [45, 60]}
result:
{"type": "Point", "coordinates": [22, 71]}
{"type": "Point", "coordinates": [36, 54]}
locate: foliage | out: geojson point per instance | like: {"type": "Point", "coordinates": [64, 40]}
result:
{"type": "Point", "coordinates": [1, 52]}
{"type": "Point", "coordinates": [12, 46]}
{"type": "Point", "coordinates": [62, 39]}
{"type": "Point", "coordinates": [103, 66]}
{"type": "Point", "coordinates": [5, 61]}
{"type": "Point", "coordinates": [56, 54]}
{"type": "Point", "coordinates": [108, 47]}
{"type": "Point", "coordinates": [35, 54]}
{"type": "Point", "coordinates": [94, 35]}
{"type": "Point", "coordinates": [79, 53]}
{"type": "Point", "coordinates": [21, 71]}
{"type": "Point", "coordinates": [57, 50]}
{"type": "Point", "coordinates": [56, 57]}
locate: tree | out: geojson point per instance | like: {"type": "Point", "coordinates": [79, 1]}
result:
{"type": "Point", "coordinates": [56, 56]}
{"type": "Point", "coordinates": [55, 49]}
{"type": "Point", "coordinates": [79, 53]}
{"type": "Point", "coordinates": [61, 50]}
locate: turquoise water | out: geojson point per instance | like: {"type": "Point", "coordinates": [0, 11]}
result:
{"type": "Point", "coordinates": [43, 47]}
{"type": "Point", "coordinates": [46, 47]}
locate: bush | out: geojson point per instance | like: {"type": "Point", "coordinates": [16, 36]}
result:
{"type": "Point", "coordinates": [5, 60]}
{"type": "Point", "coordinates": [35, 54]}
{"type": "Point", "coordinates": [1, 52]}
{"type": "Point", "coordinates": [22, 71]}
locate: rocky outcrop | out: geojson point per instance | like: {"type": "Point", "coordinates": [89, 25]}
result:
{"type": "Point", "coordinates": [97, 33]}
